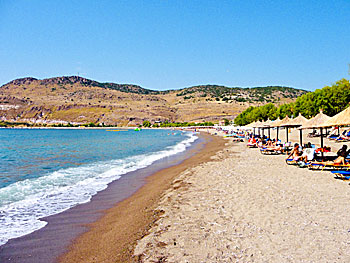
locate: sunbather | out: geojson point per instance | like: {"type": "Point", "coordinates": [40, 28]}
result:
{"type": "Point", "coordinates": [342, 154]}
{"type": "Point", "coordinates": [308, 153]}
{"type": "Point", "coordinates": [295, 153]}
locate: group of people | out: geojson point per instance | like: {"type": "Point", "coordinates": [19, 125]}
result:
{"type": "Point", "coordinates": [266, 143]}
{"type": "Point", "coordinates": [302, 155]}
{"type": "Point", "coordinates": [308, 154]}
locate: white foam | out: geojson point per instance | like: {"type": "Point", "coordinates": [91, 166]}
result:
{"type": "Point", "coordinates": [24, 203]}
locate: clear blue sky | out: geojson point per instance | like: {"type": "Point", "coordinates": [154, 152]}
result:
{"type": "Point", "coordinates": [173, 44]}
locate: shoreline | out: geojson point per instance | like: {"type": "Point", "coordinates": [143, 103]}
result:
{"type": "Point", "coordinates": [50, 241]}
{"type": "Point", "coordinates": [113, 237]}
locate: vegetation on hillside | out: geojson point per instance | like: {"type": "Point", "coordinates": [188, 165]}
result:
{"type": "Point", "coordinates": [256, 94]}
{"type": "Point", "coordinates": [331, 100]}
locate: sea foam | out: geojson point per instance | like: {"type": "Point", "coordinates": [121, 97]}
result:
{"type": "Point", "coordinates": [24, 203]}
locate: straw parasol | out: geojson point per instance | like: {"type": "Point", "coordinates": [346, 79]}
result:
{"type": "Point", "coordinates": [251, 124]}
{"type": "Point", "coordinates": [259, 124]}
{"type": "Point", "coordinates": [298, 121]}
{"type": "Point", "coordinates": [316, 121]}
{"type": "Point", "coordinates": [268, 123]}
{"type": "Point", "coordinates": [340, 119]}
{"type": "Point", "coordinates": [281, 123]}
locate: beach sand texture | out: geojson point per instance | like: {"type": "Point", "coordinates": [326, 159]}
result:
{"type": "Point", "coordinates": [247, 207]}
{"type": "Point", "coordinates": [112, 238]}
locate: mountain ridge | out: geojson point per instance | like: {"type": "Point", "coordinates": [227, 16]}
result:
{"type": "Point", "coordinates": [80, 100]}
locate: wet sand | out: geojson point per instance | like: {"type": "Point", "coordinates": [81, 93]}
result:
{"type": "Point", "coordinates": [113, 237]}
{"type": "Point", "coordinates": [49, 243]}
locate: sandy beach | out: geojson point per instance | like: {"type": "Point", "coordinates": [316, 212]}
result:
{"type": "Point", "coordinates": [243, 206]}
{"type": "Point", "coordinates": [113, 237]}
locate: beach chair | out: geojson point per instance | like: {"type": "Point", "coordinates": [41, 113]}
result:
{"type": "Point", "coordinates": [291, 161]}
{"type": "Point", "coordinates": [333, 137]}
{"type": "Point", "coordinates": [267, 151]}
{"type": "Point", "coordinates": [343, 139]}
{"type": "Point", "coordinates": [328, 167]}
{"type": "Point", "coordinates": [344, 175]}
{"type": "Point", "coordinates": [300, 164]}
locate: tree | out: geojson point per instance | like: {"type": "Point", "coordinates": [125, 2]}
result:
{"type": "Point", "coordinates": [146, 124]}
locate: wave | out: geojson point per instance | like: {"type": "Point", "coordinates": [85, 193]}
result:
{"type": "Point", "coordinates": [24, 203]}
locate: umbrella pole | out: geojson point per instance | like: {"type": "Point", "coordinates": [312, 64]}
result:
{"type": "Point", "coordinates": [322, 143]}
{"type": "Point", "coordinates": [277, 133]}
{"type": "Point", "coordinates": [287, 133]}
{"type": "Point", "coordinates": [301, 137]}
{"type": "Point", "coordinates": [263, 132]}
{"type": "Point", "coordinates": [338, 131]}
{"type": "Point", "coordinates": [269, 133]}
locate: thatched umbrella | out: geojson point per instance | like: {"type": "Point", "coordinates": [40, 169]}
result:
{"type": "Point", "coordinates": [275, 123]}
{"type": "Point", "coordinates": [340, 119]}
{"type": "Point", "coordinates": [252, 125]}
{"type": "Point", "coordinates": [267, 124]}
{"type": "Point", "coordinates": [283, 123]}
{"type": "Point", "coordinates": [296, 122]}
{"type": "Point", "coordinates": [258, 125]}
{"type": "Point", "coordinates": [315, 122]}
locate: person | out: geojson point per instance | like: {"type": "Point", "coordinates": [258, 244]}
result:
{"type": "Point", "coordinates": [252, 142]}
{"type": "Point", "coordinates": [342, 154]}
{"type": "Point", "coordinates": [295, 153]}
{"type": "Point", "coordinates": [308, 153]}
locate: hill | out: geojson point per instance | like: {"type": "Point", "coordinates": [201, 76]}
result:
{"type": "Point", "coordinates": [79, 100]}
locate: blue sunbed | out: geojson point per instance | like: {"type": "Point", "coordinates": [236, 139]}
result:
{"type": "Point", "coordinates": [345, 175]}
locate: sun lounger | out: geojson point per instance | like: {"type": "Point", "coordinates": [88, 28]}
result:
{"type": "Point", "coordinates": [333, 137]}
{"type": "Point", "coordinates": [344, 175]}
{"type": "Point", "coordinates": [301, 164]}
{"type": "Point", "coordinates": [322, 166]}
{"type": "Point", "coordinates": [266, 151]}
{"type": "Point", "coordinates": [343, 139]}
{"type": "Point", "coordinates": [291, 162]}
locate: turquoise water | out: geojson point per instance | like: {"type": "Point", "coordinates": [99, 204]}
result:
{"type": "Point", "coordinates": [44, 172]}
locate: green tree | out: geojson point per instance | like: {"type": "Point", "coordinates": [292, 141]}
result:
{"type": "Point", "coordinates": [146, 124]}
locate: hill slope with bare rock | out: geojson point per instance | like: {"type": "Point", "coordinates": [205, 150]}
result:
{"type": "Point", "coordinates": [79, 100]}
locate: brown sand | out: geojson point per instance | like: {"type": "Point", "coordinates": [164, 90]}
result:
{"type": "Point", "coordinates": [247, 207]}
{"type": "Point", "coordinates": [114, 236]}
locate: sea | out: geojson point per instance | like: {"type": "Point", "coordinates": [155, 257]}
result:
{"type": "Point", "coordinates": [47, 171]}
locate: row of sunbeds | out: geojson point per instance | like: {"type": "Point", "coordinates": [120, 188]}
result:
{"type": "Point", "coordinates": [339, 170]}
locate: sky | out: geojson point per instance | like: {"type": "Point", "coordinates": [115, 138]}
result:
{"type": "Point", "coordinates": [173, 44]}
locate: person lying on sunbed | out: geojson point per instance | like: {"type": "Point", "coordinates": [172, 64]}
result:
{"type": "Point", "coordinates": [295, 153]}
{"type": "Point", "coordinates": [342, 154]}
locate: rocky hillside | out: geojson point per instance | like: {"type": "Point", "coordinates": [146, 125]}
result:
{"type": "Point", "coordinates": [79, 100]}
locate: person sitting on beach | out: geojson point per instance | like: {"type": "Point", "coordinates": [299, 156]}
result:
{"type": "Point", "coordinates": [343, 152]}
{"type": "Point", "coordinates": [269, 143]}
{"type": "Point", "coordinates": [252, 141]}
{"type": "Point", "coordinates": [295, 153]}
{"type": "Point", "coordinates": [308, 153]}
